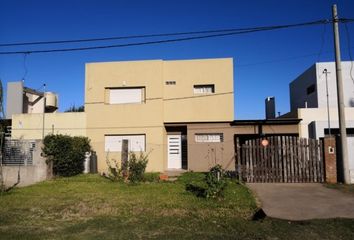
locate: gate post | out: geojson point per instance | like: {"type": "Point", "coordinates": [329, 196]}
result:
{"type": "Point", "coordinates": [330, 159]}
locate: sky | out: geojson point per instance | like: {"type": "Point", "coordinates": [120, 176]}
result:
{"type": "Point", "coordinates": [264, 62]}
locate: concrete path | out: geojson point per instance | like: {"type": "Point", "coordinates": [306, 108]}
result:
{"type": "Point", "coordinates": [302, 201]}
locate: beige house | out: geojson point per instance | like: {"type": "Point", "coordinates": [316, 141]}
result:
{"type": "Point", "coordinates": [179, 112]}
{"type": "Point", "coordinates": [137, 100]}
{"type": "Point", "coordinates": [141, 101]}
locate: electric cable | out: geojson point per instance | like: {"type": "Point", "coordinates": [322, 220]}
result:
{"type": "Point", "coordinates": [249, 30]}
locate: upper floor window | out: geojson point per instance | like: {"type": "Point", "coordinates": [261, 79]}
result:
{"type": "Point", "coordinates": [170, 82]}
{"type": "Point", "coordinates": [125, 95]}
{"type": "Point", "coordinates": [204, 89]}
{"type": "Point", "coordinates": [311, 89]}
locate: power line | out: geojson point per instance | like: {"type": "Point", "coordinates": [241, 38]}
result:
{"type": "Point", "coordinates": [153, 35]}
{"type": "Point", "coordinates": [237, 32]}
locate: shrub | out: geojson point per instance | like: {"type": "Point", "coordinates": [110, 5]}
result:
{"type": "Point", "coordinates": [151, 177]}
{"type": "Point", "coordinates": [215, 179]}
{"type": "Point", "coordinates": [212, 185]}
{"type": "Point", "coordinates": [137, 166]}
{"type": "Point", "coordinates": [66, 153]}
{"type": "Point", "coordinates": [136, 169]}
{"type": "Point", "coordinates": [114, 171]}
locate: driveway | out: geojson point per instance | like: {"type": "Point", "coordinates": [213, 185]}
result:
{"type": "Point", "coordinates": [302, 201]}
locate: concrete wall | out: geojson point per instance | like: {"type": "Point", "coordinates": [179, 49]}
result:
{"type": "Point", "coordinates": [348, 84]}
{"type": "Point", "coordinates": [30, 174]}
{"type": "Point", "coordinates": [14, 98]}
{"type": "Point", "coordinates": [298, 90]}
{"type": "Point", "coordinates": [33, 103]}
{"type": "Point", "coordinates": [204, 155]}
{"type": "Point", "coordinates": [318, 99]}
{"type": "Point", "coordinates": [309, 115]}
{"type": "Point", "coordinates": [30, 126]}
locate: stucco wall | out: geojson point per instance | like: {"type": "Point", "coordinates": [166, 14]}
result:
{"type": "Point", "coordinates": [29, 174]}
{"type": "Point", "coordinates": [309, 115]}
{"type": "Point", "coordinates": [197, 107]}
{"type": "Point", "coordinates": [204, 155]}
{"type": "Point", "coordinates": [163, 103]}
{"type": "Point", "coordinates": [318, 99]}
{"type": "Point", "coordinates": [30, 126]}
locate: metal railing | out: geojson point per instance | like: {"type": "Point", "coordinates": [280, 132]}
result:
{"type": "Point", "coordinates": [18, 152]}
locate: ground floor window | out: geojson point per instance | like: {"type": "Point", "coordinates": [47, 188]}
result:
{"type": "Point", "coordinates": [113, 143]}
{"type": "Point", "coordinates": [209, 137]}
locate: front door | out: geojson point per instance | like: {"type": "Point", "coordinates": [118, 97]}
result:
{"type": "Point", "coordinates": [174, 152]}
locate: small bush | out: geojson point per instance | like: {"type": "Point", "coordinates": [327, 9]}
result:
{"type": "Point", "coordinates": [66, 153]}
{"type": "Point", "coordinates": [136, 167]}
{"type": "Point", "coordinates": [151, 177]}
{"type": "Point", "coordinates": [210, 185]}
{"type": "Point", "coordinates": [115, 172]}
{"type": "Point", "coordinates": [215, 179]}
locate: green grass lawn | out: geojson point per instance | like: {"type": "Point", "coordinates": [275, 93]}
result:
{"type": "Point", "coordinates": [92, 207]}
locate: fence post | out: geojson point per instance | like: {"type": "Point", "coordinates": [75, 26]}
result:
{"type": "Point", "coordinates": [238, 159]}
{"type": "Point", "coordinates": [125, 158]}
{"type": "Point", "coordinates": [330, 159]}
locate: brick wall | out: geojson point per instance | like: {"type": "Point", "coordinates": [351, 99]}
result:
{"type": "Point", "coordinates": [330, 160]}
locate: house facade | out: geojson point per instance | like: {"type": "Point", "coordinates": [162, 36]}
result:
{"type": "Point", "coordinates": [181, 113]}
{"type": "Point", "coordinates": [309, 101]}
{"type": "Point", "coordinates": [147, 101]}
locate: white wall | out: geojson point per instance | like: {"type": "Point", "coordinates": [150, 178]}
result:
{"type": "Point", "coordinates": [315, 75]}
{"type": "Point", "coordinates": [348, 84]}
{"type": "Point", "coordinates": [298, 90]}
{"type": "Point", "coordinates": [309, 115]}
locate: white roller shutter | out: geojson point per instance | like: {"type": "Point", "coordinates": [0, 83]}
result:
{"type": "Point", "coordinates": [125, 95]}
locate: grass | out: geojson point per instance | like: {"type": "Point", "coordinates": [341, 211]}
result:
{"type": "Point", "coordinates": [346, 188]}
{"type": "Point", "coordinates": [92, 207]}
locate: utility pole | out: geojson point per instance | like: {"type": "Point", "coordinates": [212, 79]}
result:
{"type": "Point", "coordinates": [340, 97]}
{"type": "Point", "coordinates": [328, 116]}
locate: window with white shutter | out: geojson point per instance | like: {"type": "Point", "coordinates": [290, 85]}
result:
{"type": "Point", "coordinates": [209, 137]}
{"type": "Point", "coordinates": [125, 95]}
{"type": "Point", "coordinates": [113, 143]}
{"type": "Point", "coordinates": [204, 89]}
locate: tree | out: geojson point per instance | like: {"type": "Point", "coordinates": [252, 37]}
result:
{"type": "Point", "coordinates": [73, 108]}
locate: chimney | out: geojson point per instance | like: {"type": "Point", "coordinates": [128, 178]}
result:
{"type": "Point", "coordinates": [270, 107]}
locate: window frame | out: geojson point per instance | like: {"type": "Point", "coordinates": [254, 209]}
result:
{"type": "Point", "coordinates": [200, 86]}
{"type": "Point", "coordinates": [209, 137]}
{"type": "Point", "coordinates": [130, 149]}
{"type": "Point", "coordinates": [108, 95]}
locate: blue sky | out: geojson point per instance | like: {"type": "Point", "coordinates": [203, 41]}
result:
{"type": "Point", "coordinates": [264, 63]}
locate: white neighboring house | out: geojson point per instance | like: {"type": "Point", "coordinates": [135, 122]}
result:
{"type": "Point", "coordinates": [308, 101]}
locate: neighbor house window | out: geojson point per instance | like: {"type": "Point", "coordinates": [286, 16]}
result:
{"type": "Point", "coordinates": [125, 95]}
{"type": "Point", "coordinates": [170, 82]}
{"type": "Point", "coordinates": [209, 137]}
{"type": "Point", "coordinates": [113, 143]}
{"type": "Point", "coordinates": [204, 89]}
{"type": "Point", "coordinates": [311, 89]}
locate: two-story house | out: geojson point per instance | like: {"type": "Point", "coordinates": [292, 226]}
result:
{"type": "Point", "coordinates": [179, 112]}
{"type": "Point", "coordinates": [313, 98]}
{"type": "Point", "coordinates": [152, 103]}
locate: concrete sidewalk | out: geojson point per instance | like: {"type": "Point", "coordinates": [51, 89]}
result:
{"type": "Point", "coordinates": [302, 201]}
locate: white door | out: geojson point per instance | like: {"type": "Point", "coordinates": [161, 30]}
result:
{"type": "Point", "coordinates": [174, 152]}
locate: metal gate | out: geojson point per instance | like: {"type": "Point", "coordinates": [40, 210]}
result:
{"type": "Point", "coordinates": [280, 159]}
